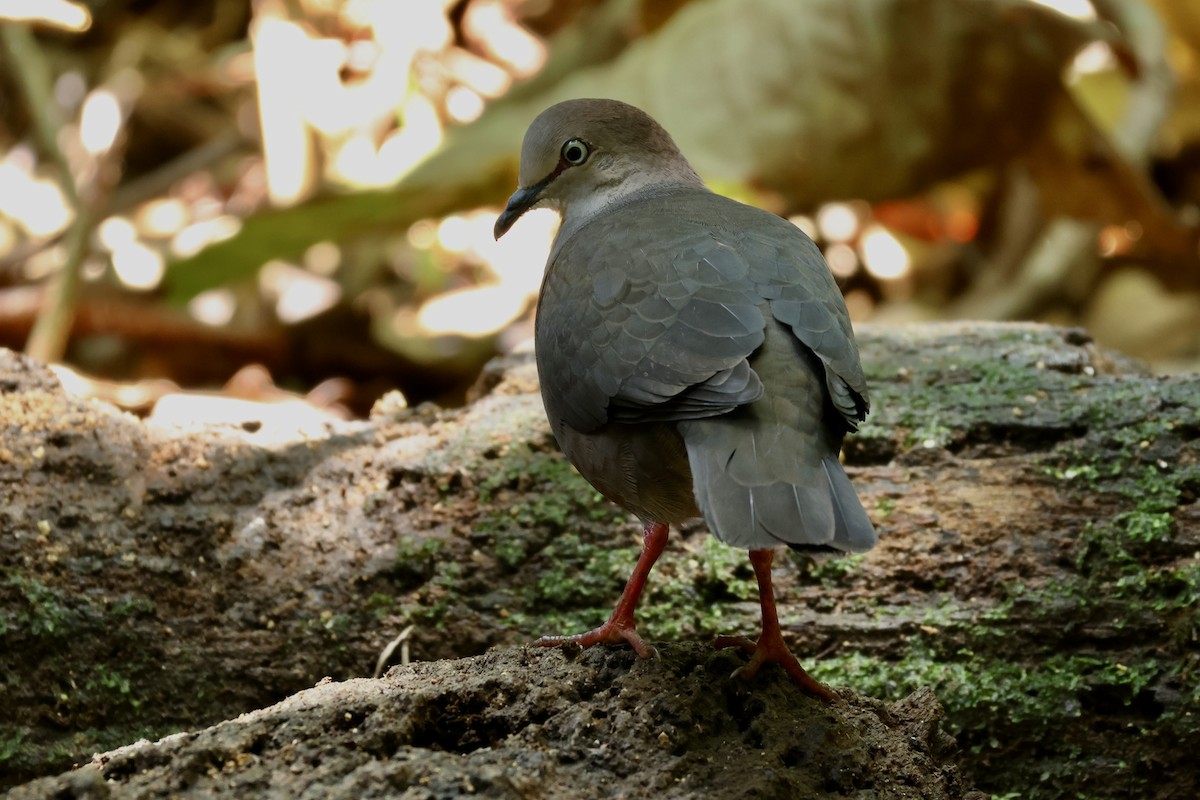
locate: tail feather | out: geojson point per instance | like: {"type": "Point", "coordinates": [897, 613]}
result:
{"type": "Point", "coordinates": [786, 513]}
{"type": "Point", "coordinates": [853, 530]}
{"type": "Point", "coordinates": [767, 473]}
{"type": "Point", "coordinates": [820, 509]}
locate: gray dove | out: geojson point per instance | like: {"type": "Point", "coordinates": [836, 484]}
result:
{"type": "Point", "coordinates": [695, 357]}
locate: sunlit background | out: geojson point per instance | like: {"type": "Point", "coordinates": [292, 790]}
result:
{"type": "Point", "coordinates": [184, 124]}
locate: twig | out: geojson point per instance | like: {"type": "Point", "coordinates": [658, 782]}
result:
{"type": "Point", "coordinates": [401, 640]}
{"type": "Point", "coordinates": [48, 340]}
{"type": "Point", "coordinates": [828, 651]}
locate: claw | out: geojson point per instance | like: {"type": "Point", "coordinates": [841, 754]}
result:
{"type": "Point", "coordinates": [621, 626]}
{"type": "Point", "coordinates": [611, 632]}
{"type": "Point", "coordinates": [774, 651]}
{"type": "Point", "coordinates": [770, 647]}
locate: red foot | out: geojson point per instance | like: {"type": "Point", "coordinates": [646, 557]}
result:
{"type": "Point", "coordinates": [612, 632]}
{"type": "Point", "coordinates": [770, 647]}
{"type": "Point", "coordinates": [775, 653]}
{"type": "Point", "coordinates": [621, 626]}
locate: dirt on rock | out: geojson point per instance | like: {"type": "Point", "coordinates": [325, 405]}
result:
{"type": "Point", "coordinates": [529, 723]}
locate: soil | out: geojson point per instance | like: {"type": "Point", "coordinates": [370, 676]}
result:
{"type": "Point", "coordinates": [1037, 569]}
{"type": "Point", "coordinates": [529, 723]}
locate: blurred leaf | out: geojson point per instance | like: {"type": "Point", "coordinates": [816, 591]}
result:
{"type": "Point", "coordinates": [287, 233]}
{"type": "Point", "coordinates": [476, 165]}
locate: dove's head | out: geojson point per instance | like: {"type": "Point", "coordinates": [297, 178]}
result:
{"type": "Point", "coordinates": [580, 156]}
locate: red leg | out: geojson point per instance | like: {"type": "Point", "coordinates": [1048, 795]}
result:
{"type": "Point", "coordinates": [621, 626]}
{"type": "Point", "coordinates": [770, 647]}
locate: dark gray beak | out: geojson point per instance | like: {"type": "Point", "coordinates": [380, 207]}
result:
{"type": "Point", "coordinates": [521, 201]}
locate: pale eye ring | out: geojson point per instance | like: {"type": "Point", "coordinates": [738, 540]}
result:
{"type": "Point", "coordinates": [575, 152]}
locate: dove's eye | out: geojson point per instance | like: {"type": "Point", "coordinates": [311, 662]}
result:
{"type": "Point", "coordinates": [575, 152]}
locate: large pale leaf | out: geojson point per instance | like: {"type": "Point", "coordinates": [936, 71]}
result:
{"type": "Point", "coordinates": [824, 99]}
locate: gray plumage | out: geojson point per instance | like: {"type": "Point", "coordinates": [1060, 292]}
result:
{"type": "Point", "coordinates": [695, 354]}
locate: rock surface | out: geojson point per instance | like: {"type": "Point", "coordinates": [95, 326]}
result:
{"type": "Point", "coordinates": [1038, 569]}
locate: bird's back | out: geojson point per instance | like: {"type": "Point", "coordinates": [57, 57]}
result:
{"type": "Point", "coordinates": [688, 317]}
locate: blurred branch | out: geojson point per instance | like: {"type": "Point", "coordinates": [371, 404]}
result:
{"type": "Point", "coordinates": [48, 340]}
{"type": "Point", "coordinates": [159, 181]}
{"type": "Point", "coordinates": [142, 320]}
